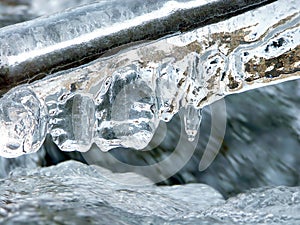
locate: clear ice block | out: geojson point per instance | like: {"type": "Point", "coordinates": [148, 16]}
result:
{"type": "Point", "coordinates": [127, 111]}
{"type": "Point", "coordinates": [73, 123]}
{"type": "Point", "coordinates": [23, 122]}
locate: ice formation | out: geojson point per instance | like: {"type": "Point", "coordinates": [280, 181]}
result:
{"type": "Point", "coordinates": [23, 122]}
{"type": "Point", "coordinates": [74, 193]}
{"type": "Point", "coordinates": [118, 101]}
{"type": "Point", "coordinates": [34, 49]}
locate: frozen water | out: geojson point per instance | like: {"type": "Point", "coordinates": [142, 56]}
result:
{"type": "Point", "coordinates": [24, 161]}
{"type": "Point", "coordinates": [260, 146]}
{"type": "Point", "coordinates": [121, 99]}
{"type": "Point", "coordinates": [267, 205]}
{"type": "Point", "coordinates": [72, 126]}
{"type": "Point", "coordinates": [192, 121]}
{"type": "Point", "coordinates": [73, 193]}
{"type": "Point", "coordinates": [23, 122]}
{"type": "Point", "coordinates": [126, 111]}
{"type": "Point", "coordinates": [79, 25]}
{"type": "Point", "coordinates": [263, 141]}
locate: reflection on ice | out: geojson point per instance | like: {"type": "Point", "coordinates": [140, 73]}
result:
{"type": "Point", "coordinates": [23, 122]}
{"type": "Point", "coordinates": [118, 101]}
{"type": "Point", "coordinates": [73, 193]}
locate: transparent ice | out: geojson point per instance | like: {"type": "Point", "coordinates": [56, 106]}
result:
{"type": "Point", "coordinates": [73, 123]}
{"type": "Point", "coordinates": [126, 112]}
{"type": "Point", "coordinates": [118, 101]}
{"type": "Point", "coordinates": [23, 122]}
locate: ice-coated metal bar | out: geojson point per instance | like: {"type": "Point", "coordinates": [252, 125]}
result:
{"type": "Point", "coordinates": [118, 101]}
{"type": "Point", "coordinates": [34, 49]}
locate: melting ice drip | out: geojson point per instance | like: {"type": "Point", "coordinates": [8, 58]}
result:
{"type": "Point", "coordinates": [118, 101]}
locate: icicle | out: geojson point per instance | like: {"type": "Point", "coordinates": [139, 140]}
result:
{"type": "Point", "coordinates": [192, 121]}
{"type": "Point", "coordinates": [118, 101]}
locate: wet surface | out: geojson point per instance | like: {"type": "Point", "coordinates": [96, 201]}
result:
{"type": "Point", "coordinates": [261, 148]}
{"type": "Point", "coordinates": [73, 193]}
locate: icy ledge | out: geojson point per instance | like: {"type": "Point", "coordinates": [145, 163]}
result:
{"type": "Point", "coordinates": [74, 193]}
{"type": "Point", "coordinates": [118, 101]}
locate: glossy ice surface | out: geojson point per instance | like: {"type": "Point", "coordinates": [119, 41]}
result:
{"type": "Point", "coordinates": [23, 122]}
{"type": "Point", "coordinates": [261, 147]}
{"type": "Point", "coordinates": [119, 100]}
{"type": "Point", "coordinates": [73, 193]}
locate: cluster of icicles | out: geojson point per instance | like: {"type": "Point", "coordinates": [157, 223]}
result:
{"type": "Point", "coordinates": [119, 101]}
